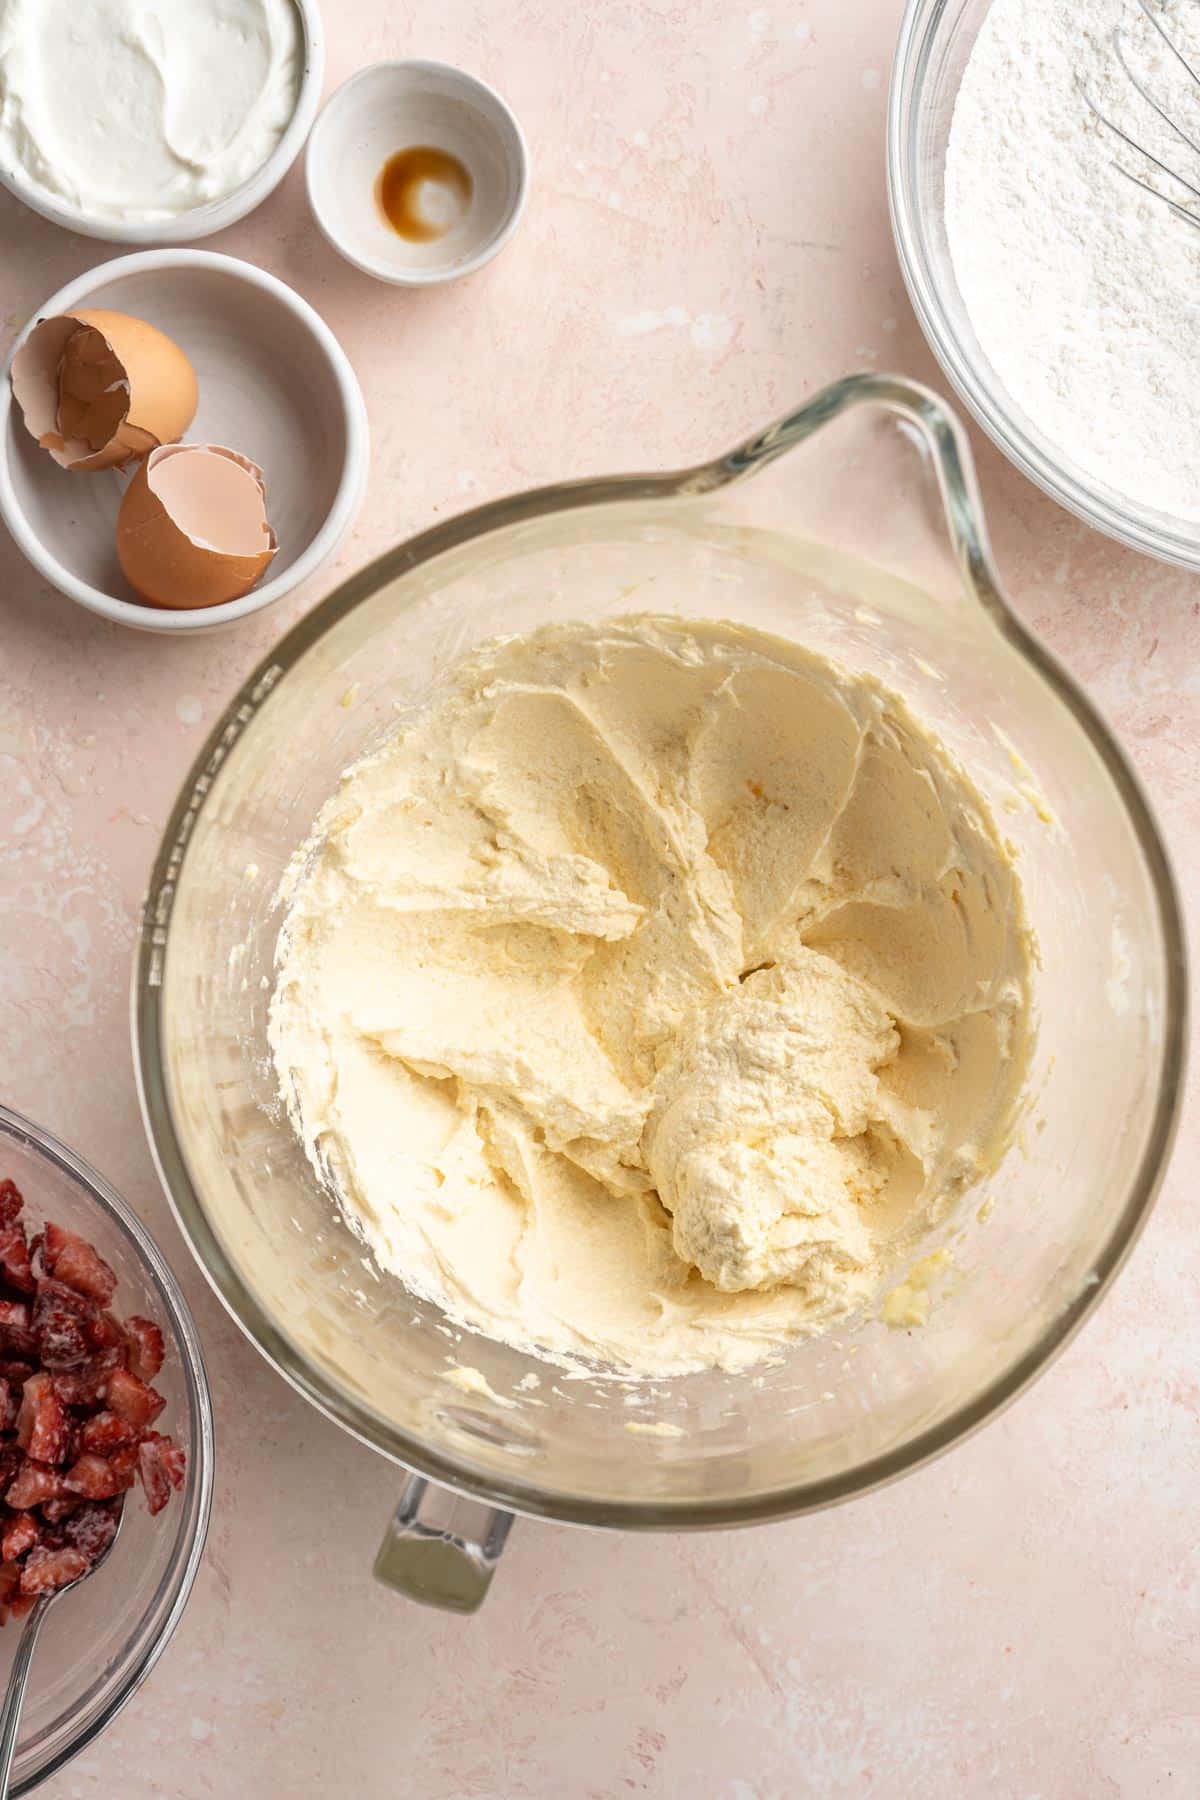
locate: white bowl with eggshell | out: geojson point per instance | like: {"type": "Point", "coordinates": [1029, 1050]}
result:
{"type": "Point", "coordinates": [468, 213]}
{"type": "Point", "coordinates": [181, 218]}
{"type": "Point", "coordinates": [275, 388]}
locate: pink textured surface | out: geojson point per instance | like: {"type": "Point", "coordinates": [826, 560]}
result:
{"type": "Point", "coordinates": [707, 241]}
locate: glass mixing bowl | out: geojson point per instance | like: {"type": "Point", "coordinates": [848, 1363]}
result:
{"type": "Point", "coordinates": [100, 1642]}
{"type": "Point", "coordinates": [809, 546]}
{"type": "Point", "coordinates": [934, 46]}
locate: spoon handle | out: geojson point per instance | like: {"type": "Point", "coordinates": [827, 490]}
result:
{"type": "Point", "coordinates": [10, 1713]}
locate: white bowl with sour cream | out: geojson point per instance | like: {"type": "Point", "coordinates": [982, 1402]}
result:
{"type": "Point", "coordinates": [274, 384]}
{"type": "Point", "coordinates": [154, 121]}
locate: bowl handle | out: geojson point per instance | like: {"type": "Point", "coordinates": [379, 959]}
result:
{"type": "Point", "coordinates": [926, 422]}
{"type": "Point", "coordinates": [441, 1547]}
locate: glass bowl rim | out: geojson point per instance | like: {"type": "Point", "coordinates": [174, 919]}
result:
{"type": "Point", "coordinates": [52, 1150]}
{"type": "Point", "coordinates": [946, 440]}
{"type": "Point", "coordinates": [920, 29]}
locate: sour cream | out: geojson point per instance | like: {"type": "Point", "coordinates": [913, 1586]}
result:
{"type": "Point", "coordinates": [141, 110]}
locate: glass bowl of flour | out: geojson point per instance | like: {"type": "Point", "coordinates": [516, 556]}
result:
{"type": "Point", "coordinates": [809, 547]}
{"type": "Point", "coordinates": [1059, 296]}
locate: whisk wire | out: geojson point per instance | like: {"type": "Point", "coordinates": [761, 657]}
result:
{"type": "Point", "coordinates": [1141, 150]}
{"type": "Point", "coordinates": [1183, 212]}
{"type": "Point", "coordinates": [1160, 111]}
{"type": "Point", "coordinates": [1140, 87]}
{"type": "Point", "coordinates": [1168, 40]}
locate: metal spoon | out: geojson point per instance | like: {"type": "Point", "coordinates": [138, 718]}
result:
{"type": "Point", "coordinates": [10, 1712]}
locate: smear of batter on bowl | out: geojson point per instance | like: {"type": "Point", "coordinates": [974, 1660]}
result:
{"type": "Point", "coordinates": [473, 1381]}
{"type": "Point", "coordinates": [910, 1300]}
{"type": "Point", "coordinates": [652, 993]}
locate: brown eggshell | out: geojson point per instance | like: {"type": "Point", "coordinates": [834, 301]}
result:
{"type": "Point", "coordinates": [185, 563]}
{"type": "Point", "coordinates": [69, 375]}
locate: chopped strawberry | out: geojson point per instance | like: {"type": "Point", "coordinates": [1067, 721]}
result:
{"type": "Point", "coordinates": [154, 1478]}
{"type": "Point", "coordinates": [10, 1576]}
{"type": "Point", "coordinates": [76, 1264]}
{"type": "Point", "coordinates": [161, 1465]}
{"type": "Point", "coordinates": [76, 1407]}
{"type": "Point", "coordinates": [92, 1527]}
{"type": "Point", "coordinates": [105, 1432]}
{"type": "Point", "coordinates": [24, 1426]}
{"type": "Point", "coordinates": [46, 1570]}
{"type": "Point", "coordinates": [55, 1511]}
{"type": "Point", "coordinates": [79, 1389]}
{"type": "Point", "coordinates": [93, 1477]}
{"type": "Point", "coordinates": [15, 1266]}
{"type": "Point", "coordinates": [21, 1532]}
{"type": "Point", "coordinates": [82, 1305]}
{"type": "Point", "coordinates": [104, 1333]}
{"type": "Point", "coordinates": [10, 1202]}
{"type": "Point", "coordinates": [43, 1428]}
{"type": "Point", "coordinates": [54, 1241]}
{"type": "Point", "coordinates": [16, 1338]}
{"type": "Point", "coordinates": [124, 1465]}
{"type": "Point", "coordinates": [85, 1388]}
{"type": "Point", "coordinates": [35, 1482]}
{"type": "Point", "coordinates": [100, 1478]}
{"type": "Point", "coordinates": [132, 1399]}
{"type": "Point", "coordinates": [146, 1347]}
{"type": "Point", "coordinates": [59, 1319]}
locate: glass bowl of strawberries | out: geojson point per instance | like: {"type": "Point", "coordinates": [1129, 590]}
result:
{"type": "Point", "coordinates": [104, 1414]}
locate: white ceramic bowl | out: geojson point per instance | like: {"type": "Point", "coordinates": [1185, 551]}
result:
{"type": "Point", "coordinates": [396, 106]}
{"type": "Point", "coordinates": [201, 221]}
{"type": "Point", "coordinates": [274, 384]}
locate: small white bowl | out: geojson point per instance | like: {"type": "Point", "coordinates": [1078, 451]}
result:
{"type": "Point", "coordinates": [201, 221]}
{"type": "Point", "coordinates": [397, 106]}
{"type": "Point", "coordinates": [274, 384]}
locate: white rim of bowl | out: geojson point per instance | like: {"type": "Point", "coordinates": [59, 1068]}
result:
{"type": "Point", "coordinates": [429, 277]}
{"type": "Point", "coordinates": [201, 221]}
{"type": "Point", "coordinates": [337, 520]}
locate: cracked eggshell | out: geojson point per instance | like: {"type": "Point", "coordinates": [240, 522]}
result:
{"type": "Point", "coordinates": [98, 389]}
{"type": "Point", "coordinates": [192, 530]}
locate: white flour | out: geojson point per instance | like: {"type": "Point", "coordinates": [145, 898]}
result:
{"type": "Point", "coordinates": [1083, 291]}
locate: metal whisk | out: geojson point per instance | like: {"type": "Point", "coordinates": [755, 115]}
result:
{"type": "Point", "coordinates": [1139, 86]}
